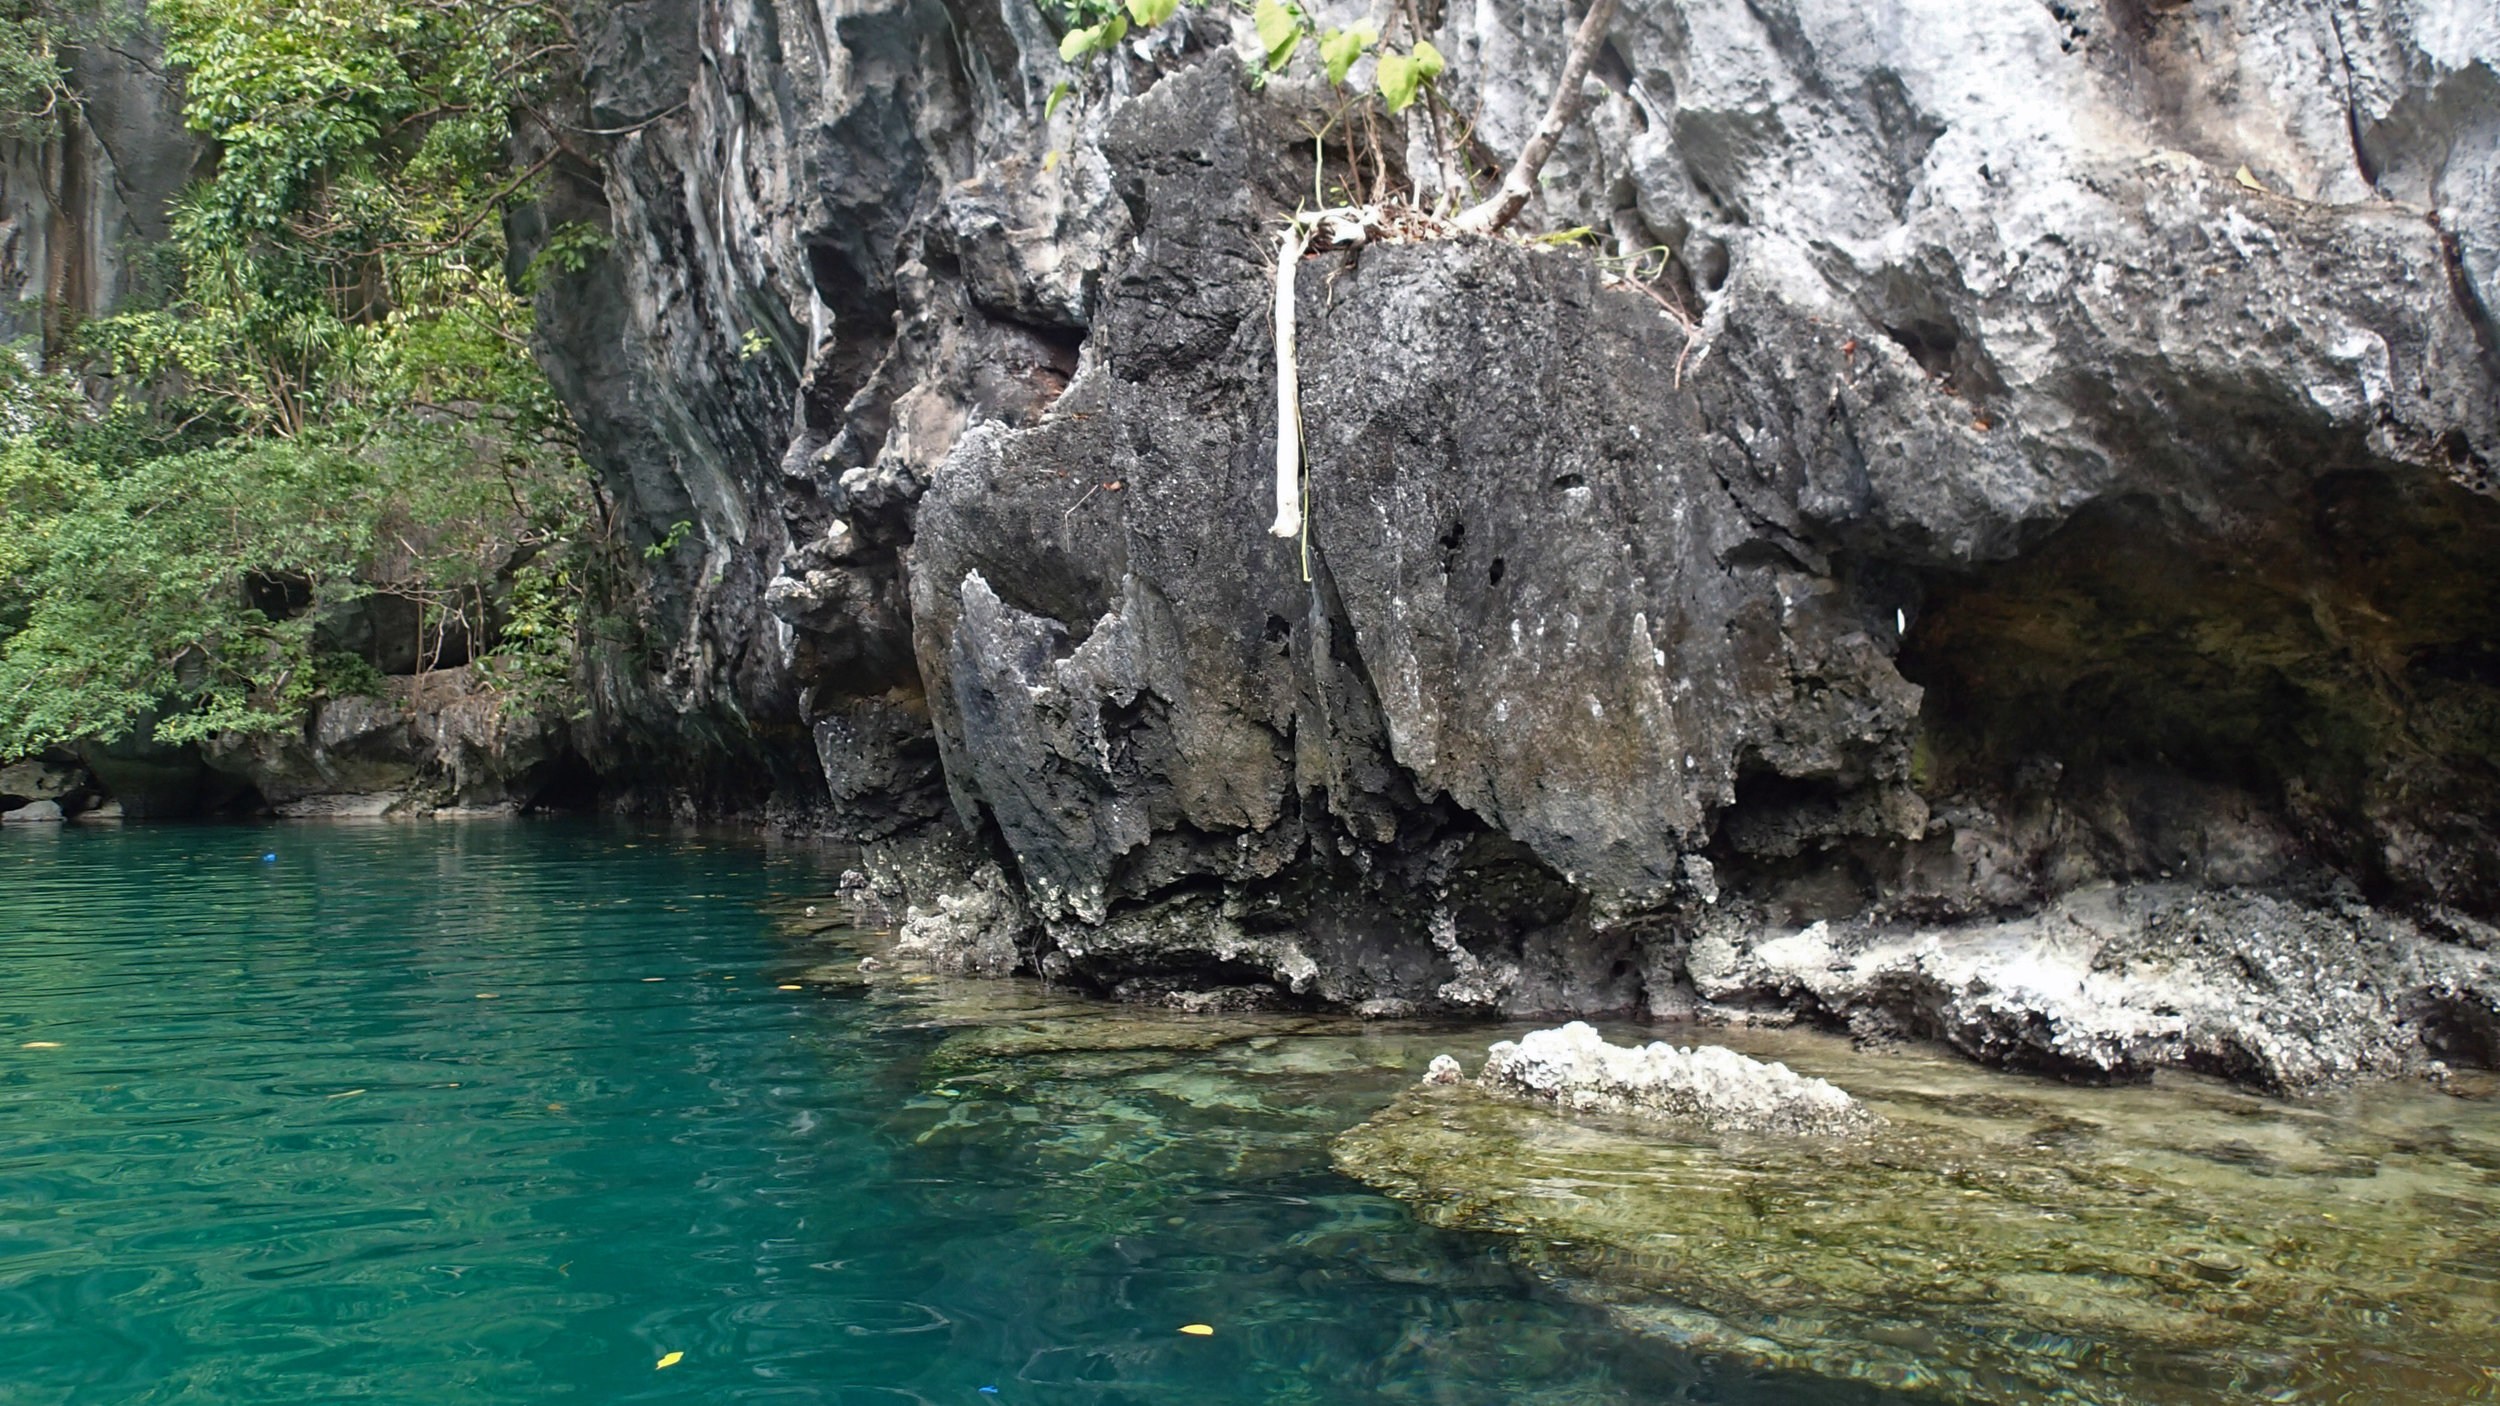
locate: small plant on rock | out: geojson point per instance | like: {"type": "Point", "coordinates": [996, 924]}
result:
{"type": "Point", "coordinates": [1399, 78]}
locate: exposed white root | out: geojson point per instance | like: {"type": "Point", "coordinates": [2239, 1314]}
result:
{"type": "Point", "coordinates": [1288, 391]}
{"type": "Point", "coordinates": [1340, 227]}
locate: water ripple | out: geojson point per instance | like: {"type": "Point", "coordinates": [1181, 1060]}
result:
{"type": "Point", "coordinates": [504, 1113]}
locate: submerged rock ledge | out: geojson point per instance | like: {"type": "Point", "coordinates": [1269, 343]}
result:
{"type": "Point", "coordinates": [2004, 1239]}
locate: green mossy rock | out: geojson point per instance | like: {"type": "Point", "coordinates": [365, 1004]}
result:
{"type": "Point", "coordinates": [2007, 1241]}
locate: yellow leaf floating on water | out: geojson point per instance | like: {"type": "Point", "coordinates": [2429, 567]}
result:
{"type": "Point", "coordinates": [486, 995]}
{"type": "Point", "coordinates": [669, 1361]}
{"type": "Point", "coordinates": [41, 1045]}
{"type": "Point", "coordinates": [1198, 1330]}
{"type": "Point", "coordinates": [787, 986]}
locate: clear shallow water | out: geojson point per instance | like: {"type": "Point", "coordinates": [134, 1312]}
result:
{"type": "Point", "coordinates": [491, 1112]}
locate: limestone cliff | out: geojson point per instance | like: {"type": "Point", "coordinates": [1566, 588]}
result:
{"type": "Point", "coordinates": [84, 194]}
{"type": "Point", "coordinates": [2058, 454]}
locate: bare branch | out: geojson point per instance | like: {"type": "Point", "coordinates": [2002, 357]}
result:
{"type": "Point", "coordinates": [1504, 204]}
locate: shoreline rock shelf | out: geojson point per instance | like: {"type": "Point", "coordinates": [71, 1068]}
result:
{"type": "Point", "coordinates": [1993, 1237]}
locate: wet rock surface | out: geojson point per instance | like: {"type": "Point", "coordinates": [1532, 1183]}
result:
{"type": "Point", "coordinates": [2005, 1240]}
{"type": "Point", "coordinates": [2075, 470]}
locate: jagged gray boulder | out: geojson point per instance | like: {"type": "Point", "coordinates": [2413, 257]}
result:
{"type": "Point", "coordinates": [2110, 983]}
{"type": "Point", "coordinates": [41, 781]}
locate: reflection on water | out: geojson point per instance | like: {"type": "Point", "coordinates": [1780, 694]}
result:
{"type": "Point", "coordinates": [512, 1112]}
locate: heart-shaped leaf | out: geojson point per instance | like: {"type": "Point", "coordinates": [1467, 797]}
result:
{"type": "Point", "coordinates": [1279, 30]}
{"type": "Point", "coordinates": [1338, 49]}
{"type": "Point", "coordinates": [1398, 79]}
{"type": "Point", "coordinates": [1149, 13]}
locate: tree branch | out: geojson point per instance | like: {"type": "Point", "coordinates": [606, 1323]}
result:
{"type": "Point", "coordinates": [1504, 204]}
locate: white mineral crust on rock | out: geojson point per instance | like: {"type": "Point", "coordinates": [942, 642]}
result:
{"type": "Point", "coordinates": [1576, 1070]}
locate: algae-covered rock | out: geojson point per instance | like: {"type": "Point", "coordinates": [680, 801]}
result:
{"type": "Point", "coordinates": [2006, 1240]}
{"type": "Point", "coordinates": [1574, 1069]}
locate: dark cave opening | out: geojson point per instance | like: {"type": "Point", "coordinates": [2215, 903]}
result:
{"type": "Point", "coordinates": [2333, 665]}
{"type": "Point", "coordinates": [567, 783]}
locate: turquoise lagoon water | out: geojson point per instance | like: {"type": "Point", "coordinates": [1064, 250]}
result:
{"type": "Point", "coordinates": [511, 1112]}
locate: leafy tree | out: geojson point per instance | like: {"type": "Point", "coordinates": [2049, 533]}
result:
{"type": "Point", "coordinates": [338, 401]}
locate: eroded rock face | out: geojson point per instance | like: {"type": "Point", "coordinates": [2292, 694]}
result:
{"type": "Point", "coordinates": [40, 780]}
{"type": "Point", "coordinates": [432, 742]}
{"type": "Point", "coordinates": [2110, 983]}
{"type": "Point", "coordinates": [2057, 451]}
{"type": "Point", "coordinates": [83, 194]}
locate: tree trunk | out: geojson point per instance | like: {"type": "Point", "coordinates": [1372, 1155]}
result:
{"type": "Point", "coordinates": [1504, 204]}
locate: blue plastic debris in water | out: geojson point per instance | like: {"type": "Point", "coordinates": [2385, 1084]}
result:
{"type": "Point", "coordinates": [269, 858]}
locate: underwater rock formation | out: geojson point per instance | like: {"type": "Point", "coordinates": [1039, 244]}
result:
{"type": "Point", "coordinates": [2003, 1240]}
{"type": "Point", "coordinates": [2057, 451]}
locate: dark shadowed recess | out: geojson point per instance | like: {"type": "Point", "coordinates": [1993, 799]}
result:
{"type": "Point", "coordinates": [2330, 673]}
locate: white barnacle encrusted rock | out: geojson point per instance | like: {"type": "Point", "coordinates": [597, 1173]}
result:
{"type": "Point", "coordinates": [1575, 1069]}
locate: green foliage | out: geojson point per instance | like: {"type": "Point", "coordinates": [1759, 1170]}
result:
{"type": "Point", "coordinates": [1399, 78]}
{"type": "Point", "coordinates": [660, 550]}
{"type": "Point", "coordinates": [533, 666]}
{"type": "Point", "coordinates": [1280, 27]}
{"type": "Point", "coordinates": [31, 81]}
{"type": "Point", "coordinates": [1340, 48]}
{"type": "Point", "coordinates": [129, 585]}
{"type": "Point", "coordinates": [1577, 234]}
{"type": "Point", "coordinates": [336, 400]}
{"type": "Point", "coordinates": [1093, 39]}
{"type": "Point", "coordinates": [1091, 27]}
{"type": "Point", "coordinates": [1402, 76]}
{"type": "Point", "coordinates": [566, 249]}
{"type": "Point", "coordinates": [354, 212]}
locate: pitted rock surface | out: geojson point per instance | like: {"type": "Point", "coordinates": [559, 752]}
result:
{"type": "Point", "coordinates": [2076, 471]}
{"type": "Point", "coordinates": [1573, 1068]}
